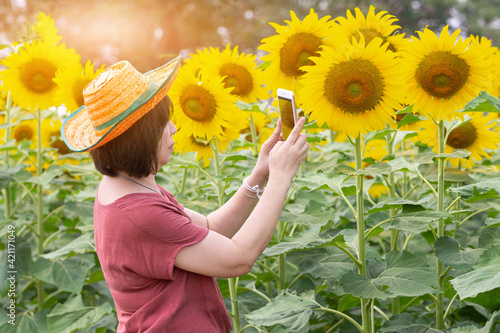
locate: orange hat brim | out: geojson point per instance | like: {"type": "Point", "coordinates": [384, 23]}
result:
{"type": "Point", "coordinates": [78, 132]}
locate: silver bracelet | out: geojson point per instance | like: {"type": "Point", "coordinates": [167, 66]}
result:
{"type": "Point", "coordinates": [254, 189]}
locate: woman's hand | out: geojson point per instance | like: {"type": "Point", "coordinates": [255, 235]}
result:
{"type": "Point", "coordinates": [260, 173]}
{"type": "Point", "coordinates": [286, 157]}
{"type": "Point", "coordinates": [233, 253]}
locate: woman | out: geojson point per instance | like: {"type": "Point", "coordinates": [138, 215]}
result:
{"type": "Point", "coordinates": [160, 259]}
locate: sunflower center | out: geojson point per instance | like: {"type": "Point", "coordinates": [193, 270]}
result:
{"type": "Point", "coordinates": [354, 86]}
{"type": "Point", "coordinates": [462, 137]}
{"type": "Point", "coordinates": [238, 77]}
{"type": "Point", "coordinates": [442, 74]}
{"type": "Point", "coordinates": [37, 75]}
{"type": "Point", "coordinates": [370, 34]}
{"type": "Point", "coordinates": [61, 147]}
{"type": "Point", "coordinates": [296, 51]}
{"type": "Point", "coordinates": [23, 132]}
{"type": "Point", "coordinates": [197, 103]}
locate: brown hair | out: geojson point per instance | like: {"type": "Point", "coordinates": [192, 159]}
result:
{"type": "Point", "coordinates": [136, 150]}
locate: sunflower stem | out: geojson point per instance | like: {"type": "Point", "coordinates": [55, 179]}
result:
{"type": "Point", "coordinates": [440, 226]}
{"type": "Point", "coordinates": [392, 213]}
{"type": "Point", "coordinates": [39, 204]}
{"type": "Point", "coordinates": [232, 282]}
{"type": "Point", "coordinates": [365, 303]}
{"type": "Point", "coordinates": [183, 181]}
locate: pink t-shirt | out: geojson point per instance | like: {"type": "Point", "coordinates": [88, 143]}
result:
{"type": "Point", "coordinates": [137, 239]}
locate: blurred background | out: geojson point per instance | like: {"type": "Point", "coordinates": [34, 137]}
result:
{"type": "Point", "coordinates": [148, 32]}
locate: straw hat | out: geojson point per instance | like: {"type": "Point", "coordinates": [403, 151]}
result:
{"type": "Point", "coordinates": [114, 101]}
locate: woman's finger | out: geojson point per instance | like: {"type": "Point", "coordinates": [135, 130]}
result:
{"type": "Point", "coordinates": [294, 135]}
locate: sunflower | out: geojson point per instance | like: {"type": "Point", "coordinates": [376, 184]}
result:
{"type": "Point", "coordinates": [200, 59]}
{"type": "Point", "coordinates": [71, 80]}
{"type": "Point", "coordinates": [29, 74]}
{"type": "Point", "coordinates": [354, 89]}
{"type": "Point", "coordinates": [239, 72]}
{"type": "Point", "coordinates": [376, 149]}
{"type": "Point", "coordinates": [205, 107]}
{"type": "Point", "coordinates": [292, 47]}
{"type": "Point", "coordinates": [373, 25]}
{"type": "Point", "coordinates": [43, 30]}
{"type": "Point", "coordinates": [26, 130]}
{"type": "Point", "coordinates": [475, 136]}
{"type": "Point", "coordinates": [377, 190]}
{"type": "Point", "coordinates": [185, 142]}
{"type": "Point", "coordinates": [51, 135]}
{"type": "Point", "coordinates": [443, 74]}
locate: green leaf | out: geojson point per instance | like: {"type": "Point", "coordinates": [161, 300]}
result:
{"type": "Point", "coordinates": [490, 324]}
{"type": "Point", "coordinates": [68, 275]}
{"type": "Point", "coordinates": [307, 239]}
{"type": "Point", "coordinates": [187, 160]}
{"type": "Point", "coordinates": [391, 204]}
{"type": "Point", "coordinates": [484, 277]}
{"type": "Point", "coordinates": [303, 218]}
{"type": "Point", "coordinates": [287, 309]}
{"type": "Point", "coordinates": [407, 323]}
{"type": "Point", "coordinates": [322, 181]}
{"type": "Point", "coordinates": [82, 209]}
{"type": "Point", "coordinates": [479, 191]}
{"type": "Point", "coordinates": [484, 102]}
{"type": "Point", "coordinates": [448, 252]}
{"type": "Point", "coordinates": [491, 223]}
{"type": "Point", "coordinates": [489, 300]}
{"type": "Point", "coordinates": [457, 153]}
{"type": "Point", "coordinates": [416, 222]}
{"type": "Point", "coordinates": [409, 118]}
{"type": "Point", "coordinates": [322, 263]}
{"type": "Point", "coordinates": [361, 286]}
{"type": "Point", "coordinates": [348, 302]}
{"type": "Point", "coordinates": [401, 164]}
{"type": "Point", "coordinates": [47, 176]}
{"type": "Point", "coordinates": [406, 275]}
{"type": "Point", "coordinates": [82, 244]}
{"type": "Point", "coordinates": [73, 315]}
{"type": "Point", "coordinates": [377, 169]}
{"type": "Point", "coordinates": [7, 174]}
{"type": "Point", "coordinates": [378, 135]}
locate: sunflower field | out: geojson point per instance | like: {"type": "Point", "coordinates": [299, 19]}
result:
{"type": "Point", "coordinates": [391, 225]}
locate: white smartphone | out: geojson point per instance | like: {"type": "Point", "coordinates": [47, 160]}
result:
{"type": "Point", "coordinates": [288, 111]}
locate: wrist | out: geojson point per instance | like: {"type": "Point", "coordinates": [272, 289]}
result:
{"type": "Point", "coordinates": [251, 191]}
{"type": "Point", "coordinates": [257, 178]}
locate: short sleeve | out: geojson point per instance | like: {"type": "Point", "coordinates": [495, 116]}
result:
{"type": "Point", "coordinates": [161, 230]}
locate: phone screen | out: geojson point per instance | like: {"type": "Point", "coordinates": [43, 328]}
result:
{"type": "Point", "coordinates": [286, 115]}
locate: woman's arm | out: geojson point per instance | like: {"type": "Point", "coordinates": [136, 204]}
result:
{"type": "Point", "coordinates": [228, 219]}
{"type": "Point", "coordinates": [221, 256]}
